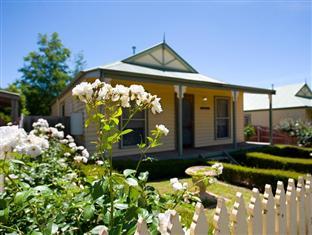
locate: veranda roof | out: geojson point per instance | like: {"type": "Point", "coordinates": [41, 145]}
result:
{"type": "Point", "coordinates": [289, 96]}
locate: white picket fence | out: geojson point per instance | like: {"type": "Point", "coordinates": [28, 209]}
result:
{"type": "Point", "coordinates": [287, 212]}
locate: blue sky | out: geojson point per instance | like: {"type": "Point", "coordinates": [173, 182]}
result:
{"type": "Point", "coordinates": [253, 43]}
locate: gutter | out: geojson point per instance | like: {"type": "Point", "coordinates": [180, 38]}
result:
{"type": "Point", "coordinates": [164, 80]}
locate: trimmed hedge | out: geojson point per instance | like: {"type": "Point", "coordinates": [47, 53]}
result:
{"type": "Point", "coordinates": [288, 151]}
{"type": "Point", "coordinates": [263, 160]}
{"type": "Point", "coordinates": [255, 177]}
{"type": "Point", "coordinates": [160, 169]}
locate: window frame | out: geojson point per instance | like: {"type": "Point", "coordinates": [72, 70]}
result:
{"type": "Point", "coordinates": [229, 118]}
{"type": "Point", "coordinates": [145, 119]}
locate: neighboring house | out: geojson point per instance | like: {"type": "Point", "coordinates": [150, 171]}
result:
{"type": "Point", "coordinates": [290, 102]}
{"type": "Point", "coordinates": [198, 110]}
{"type": "Point", "coordinates": [10, 101]}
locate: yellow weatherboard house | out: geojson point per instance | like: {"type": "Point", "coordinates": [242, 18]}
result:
{"type": "Point", "coordinates": [199, 111]}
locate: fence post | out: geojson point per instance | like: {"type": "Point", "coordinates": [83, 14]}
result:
{"type": "Point", "coordinates": [280, 211]}
{"type": "Point", "coordinates": [239, 216]}
{"type": "Point", "coordinates": [308, 206]}
{"type": "Point", "coordinates": [255, 213]}
{"type": "Point", "coordinates": [291, 208]}
{"type": "Point", "coordinates": [300, 206]}
{"type": "Point", "coordinates": [268, 211]}
{"type": "Point", "coordinates": [174, 225]}
{"type": "Point", "coordinates": [221, 219]}
{"type": "Point", "coordinates": [199, 224]}
{"type": "Point", "coordinates": [141, 228]}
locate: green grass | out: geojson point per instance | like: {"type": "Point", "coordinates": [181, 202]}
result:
{"type": "Point", "coordinates": [220, 189]}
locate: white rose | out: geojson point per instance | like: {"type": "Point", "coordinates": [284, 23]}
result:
{"type": "Point", "coordinates": [85, 153]}
{"type": "Point", "coordinates": [67, 154]}
{"type": "Point", "coordinates": [99, 162]}
{"type": "Point", "coordinates": [156, 106]}
{"type": "Point", "coordinates": [174, 180]}
{"type": "Point", "coordinates": [162, 129]}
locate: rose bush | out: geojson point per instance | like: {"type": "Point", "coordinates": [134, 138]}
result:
{"type": "Point", "coordinates": [44, 191]}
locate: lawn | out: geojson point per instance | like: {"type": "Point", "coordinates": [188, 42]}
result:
{"type": "Point", "coordinates": [219, 189]}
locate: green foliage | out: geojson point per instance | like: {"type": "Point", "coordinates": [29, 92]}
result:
{"type": "Point", "coordinates": [249, 131]}
{"type": "Point", "coordinates": [297, 128]}
{"type": "Point", "coordinates": [45, 74]}
{"type": "Point", "coordinates": [6, 118]}
{"type": "Point", "coordinates": [39, 189]}
{"type": "Point", "coordinates": [255, 177]}
{"type": "Point", "coordinates": [263, 160]}
{"type": "Point", "coordinates": [160, 169]}
{"type": "Point", "coordinates": [14, 88]}
{"type": "Point", "coordinates": [287, 151]}
{"type": "Point", "coordinates": [79, 64]}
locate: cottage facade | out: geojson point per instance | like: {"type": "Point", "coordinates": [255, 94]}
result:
{"type": "Point", "coordinates": [198, 110]}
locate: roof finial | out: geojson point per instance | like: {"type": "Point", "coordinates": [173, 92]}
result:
{"type": "Point", "coordinates": [272, 86]}
{"type": "Point", "coordinates": [133, 49]}
{"type": "Point", "coordinates": [164, 37]}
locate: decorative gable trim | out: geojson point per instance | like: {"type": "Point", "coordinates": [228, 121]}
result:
{"type": "Point", "coordinates": [161, 57]}
{"type": "Point", "coordinates": [305, 92]}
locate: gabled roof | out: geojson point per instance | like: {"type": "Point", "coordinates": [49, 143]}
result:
{"type": "Point", "coordinates": [285, 97]}
{"type": "Point", "coordinates": [162, 57]}
{"type": "Point", "coordinates": [160, 64]}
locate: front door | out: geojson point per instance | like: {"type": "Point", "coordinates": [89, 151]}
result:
{"type": "Point", "coordinates": [187, 120]}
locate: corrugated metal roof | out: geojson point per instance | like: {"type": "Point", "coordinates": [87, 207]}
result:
{"type": "Point", "coordinates": [285, 97]}
{"type": "Point", "coordinates": [131, 68]}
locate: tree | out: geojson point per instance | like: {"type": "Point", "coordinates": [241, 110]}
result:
{"type": "Point", "coordinates": [45, 74]}
{"type": "Point", "coordinates": [79, 64]}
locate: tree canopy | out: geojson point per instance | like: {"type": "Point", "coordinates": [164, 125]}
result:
{"type": "Point", "coordinates": [46, 73]}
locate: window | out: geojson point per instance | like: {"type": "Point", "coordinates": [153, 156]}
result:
{"type": "Point", "coordinates": [247, 119]}
{"type": "Point", "coordinates": [222, 117]}
{"type": "Point", "coordinates": [138, 125]}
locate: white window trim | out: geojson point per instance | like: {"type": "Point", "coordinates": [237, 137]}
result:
{"type": "Point", "coordinates": [228, 99]}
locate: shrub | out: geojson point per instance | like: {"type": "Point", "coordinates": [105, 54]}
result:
{"type": "Point", "coordinates": [161, 169]}
{"type": "Point", "coordinates": [263, 160]}
{"type": "Point", "coordinates": [288, 151]}
{"type": "Point", "coordinates": [255, 177]}
{"type": "Point", "coordinates": [278, 150]}
{"type": "Point", "coordinates": [249, 131]}
{"type": "Point", "coordinates": [300, 129]}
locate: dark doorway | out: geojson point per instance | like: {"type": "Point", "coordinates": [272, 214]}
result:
{"type": "Point", "coordinates": [187, 120]}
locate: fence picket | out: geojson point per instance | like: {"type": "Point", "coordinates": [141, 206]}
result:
{"type": "Point", "coordinates": [174, 225]}
{"type": "Point", "coordinates": [141, 228]}
{"type": "Point", "coordinates": [199, 224]}
{"type": "Point", "coordinates": [291, 208]}
{"type": "Point", "coordinates": [300, 206]}
{"type": "Point", "coordinates": [288, 213]}
{"type": "Point", "coordinates": [255, 213]}
{"type": "Point", "coordinates": [239, 216]}
{"type": "Point", "coordinates": [280, 209]}
{"type": "Point", "coordinates": [308, 206]}
{"type": "Point", "coordinates": [221, 219]}
{"type": "Point", "coordinates": [268, 215]}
